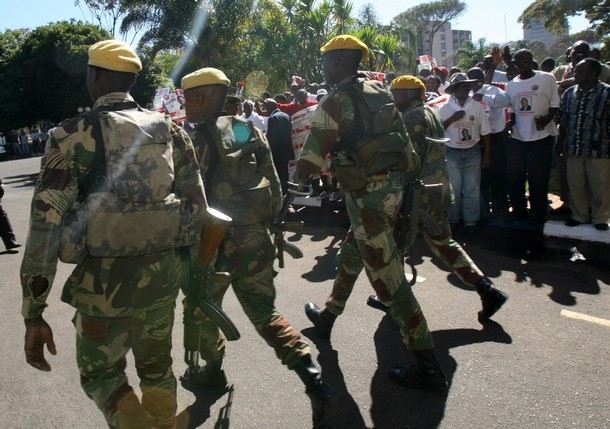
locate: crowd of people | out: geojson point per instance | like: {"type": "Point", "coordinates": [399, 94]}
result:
{"type": "Point", "coordinates": [24, 142]}
{"type": "Point", "coordinates": [473, 138]}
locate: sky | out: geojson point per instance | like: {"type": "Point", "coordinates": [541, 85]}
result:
{"type": "Point", "coordinates": [485, 18]}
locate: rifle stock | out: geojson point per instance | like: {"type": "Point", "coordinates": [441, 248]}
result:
{"type": "Point", "coordinates": [215, 224]}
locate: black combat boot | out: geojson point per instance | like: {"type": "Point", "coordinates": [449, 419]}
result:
{"type": "Point", "coordinates": [492, 298]}
{"type": "Point", "coordinates": [325, 401]}
{"type": "Point", "coordinates": [426, 374]}
{"type": "Point", "coordinates": [374, 302]}
{"type": "Point", "coordinates": [209, 378]}
{"type": "Point", "coordinates": [323, 320]}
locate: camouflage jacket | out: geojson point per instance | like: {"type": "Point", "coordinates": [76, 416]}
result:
{"type": "Point", "coordinates": [422, 121]}
{"type": "Point", "coordinates": [335, 120]}
{"type": "Point", "coordinates": [240, 179]}
{"type": "Point", "coordinates": [103, 287]}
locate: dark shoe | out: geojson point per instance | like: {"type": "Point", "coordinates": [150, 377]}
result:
{"type": "Point", "coordinates": [197, 378]}
{"type": "Point", "coordinates": [374, 302]}
{"type": "Point", "coordinates": [562, 209]}
{"type": "Point", "coordinates": [572, 222]}
{"type": "Point", "coordinates": [492, 299]}
{"type": "Point", "coordinates": [426, 374]}
{"type": "Point", "coordinates": [11, 246]}
{"type": "Point", "coordinates": [602, 226]}
{"type": "Point", "coordinates": [470, 229]}
{"type": "Point", "coordinates": [325, 403]}
{"type": "Point", "coordinates": [323, 320]}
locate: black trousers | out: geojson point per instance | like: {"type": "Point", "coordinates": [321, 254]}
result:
{"type": "Point", "coordinates": [531, 162]}
{"type": "Point", "coordinates": [6, 231]}
{"type": "Point", "coordinates": [494, 192]}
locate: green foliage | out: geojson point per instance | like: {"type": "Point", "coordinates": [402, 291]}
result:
{"type": "Point", "coordinates": [44, 77]}
{"type": "Point", "coordinates": [470, 53]}
{"type": "Point", "coordinates": [368, 16]}
{"type": "Point", "coordinates": [555, 13]}
{"type": "Point", "coordinates": [428, 18]}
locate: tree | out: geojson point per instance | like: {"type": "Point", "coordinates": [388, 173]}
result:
{"type": "Point", "coordinates": [107, 13]}
{"type": "Point", "coordinates": [555, 14]}
{"type": "Point", "coordinates": [342, 11]}
{"type": "Point", "coordinates": [470, 53]}
{"type": "Point", "coordinates": [368, 16]}
{"type": "Point", "coordinates": [45, 77]}
{"type": "Point", "coordinates": [428, 18]}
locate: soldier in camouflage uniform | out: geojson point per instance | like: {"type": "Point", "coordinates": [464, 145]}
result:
{"type": "Point", "coordinates": [374, 188]}
{"type": "Point", "coordinates": [122, 303]}
{"type": "Point", "coordinates": [242, 182]}
{"type": "Point", "coordinates": [421, 122]}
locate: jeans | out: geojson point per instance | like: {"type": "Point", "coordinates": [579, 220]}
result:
{"type": "Point", "coordinates": [464, 167]}
{"type": "Point", "coordinates": [529, 161]}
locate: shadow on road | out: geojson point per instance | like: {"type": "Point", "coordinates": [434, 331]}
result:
{"type": "Point", "coordinates": [523, 252]}
{"type": "Point", "coordinates": [396, 406]}
{"type": "Point", "coordinates": [198, 412]}
{"type": "Point", "coordinates": [9, 252]}
{"type": "Point", "coordinates": [21, 179]}
{"type": "Point", "coordinates": [328, 358]}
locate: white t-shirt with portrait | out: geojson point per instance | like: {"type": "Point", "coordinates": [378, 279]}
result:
{"type": "Point", "coordinates": [530, 98]}
{"type": "Point", "coordinates": [466, 132]}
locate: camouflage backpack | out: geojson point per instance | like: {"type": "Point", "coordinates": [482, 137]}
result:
{"type": "Point", "coordinates": [127, 205]}
{"type": "Point", "coordinates": [234, 182]}
{"type": "Point", "coordinates": [377, 142]}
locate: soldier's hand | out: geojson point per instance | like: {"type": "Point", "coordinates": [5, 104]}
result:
{"type": "Point", "coordinates": [37, 334]}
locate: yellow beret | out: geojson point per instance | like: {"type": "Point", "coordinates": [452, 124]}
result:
{"type": "Point", "coordinates": [203, 77]}
{"type": "Point", "coordinates": [114, 55]}
{"type": "Point", "coordinates": [345, 42]}
{"type": "Point", "coordinates": [407, 82]}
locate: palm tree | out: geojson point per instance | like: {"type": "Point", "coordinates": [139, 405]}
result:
{"type": "Point", "coordinates": [368, 35]}
{"type": "Point", "coordinates": [342, 11]}
{"type": "Point", "coordinates": [388, 47]}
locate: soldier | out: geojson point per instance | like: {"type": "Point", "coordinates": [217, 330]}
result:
{"type": "Point", "coordinates": [99, 166]}
{"type": "Point", "coordinates": [421, 122]}
{"type": "Point", "coordinates": [239, 175]}
{"type": "Point", "coordinates": [373, 159]}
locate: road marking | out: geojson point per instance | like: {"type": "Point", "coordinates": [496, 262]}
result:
{"type": "Point", "coordinates": [585, 317]}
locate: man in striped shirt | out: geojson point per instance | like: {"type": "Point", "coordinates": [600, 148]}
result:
{"type": "Point", "coordinates": [584, 138]}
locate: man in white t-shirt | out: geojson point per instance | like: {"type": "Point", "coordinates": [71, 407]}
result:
{"type": "Point", "coordinates": [250, 115]}
{"type": "Point", "coordinates": [467, 128]}
{"type": "Point", "coordinates": [535, 101]}
{"type": "Point", "coordinates": [494, 195]}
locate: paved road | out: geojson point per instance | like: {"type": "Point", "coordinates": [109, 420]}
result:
{"type": "Point", "coordinates": [533, 368]}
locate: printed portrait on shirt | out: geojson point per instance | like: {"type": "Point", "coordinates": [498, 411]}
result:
{"type": "Point", "coordinates": [524, 103]}
{"type": "Point", "coordinates": [465, 134]}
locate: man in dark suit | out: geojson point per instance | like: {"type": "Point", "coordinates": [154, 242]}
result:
{"type": "Point", "coordinates": [279, 135]}
{"type": "Point", "coordinates": [6, 231]}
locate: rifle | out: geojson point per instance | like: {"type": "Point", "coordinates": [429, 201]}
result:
{"type": "Point", "coordinates": [198, 303]}
{"type": "Point", "coordinates": [223, 415]}
{"type": "Point", "coordinates": [280, 225]}
{"type": "Point", "coordinates": [409, 214]}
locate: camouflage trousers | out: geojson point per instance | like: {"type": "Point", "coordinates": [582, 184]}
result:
{"type": "Point", "coordinates": [434, 226]}
{"type": "Point", "coordinates": [247, 253]}
{"type": "Point", "coordinates": [101, 347]}
{"type": "Point", "coordinates": [370, 245]}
